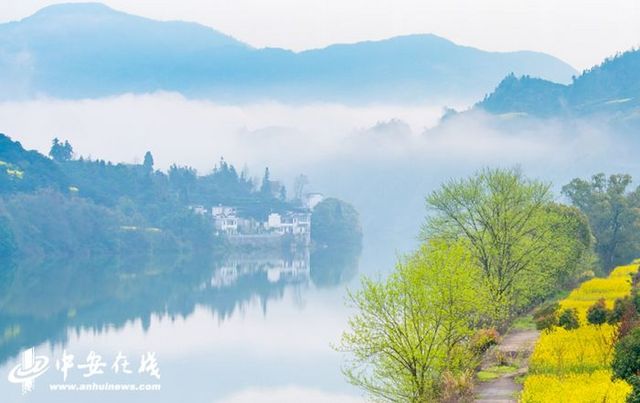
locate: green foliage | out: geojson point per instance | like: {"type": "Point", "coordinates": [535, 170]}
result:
{"type": "Point", "coordinates": [626, 356]}
{"type": "Point", "coordinates": [568, 319]}
{"type": "Point", "coordinates": [483, 339]}
{"type": "Point", "coordinates": [598, 313]}
{"type": "Point", "coordinates": [616, 79]}
{"type": "Point", "coordinates": [412, 328]}
{"type": "Point", "coordinates": [148, 162]}
{"type": "Point", "coordinates": [37, 171]}
{"type": "Point", "coordinates": [525, 322]}
{"type": "Point", "coordinates": [123, 194]}
{"type": "Point", "coordinates": [614, 215]}
{"type": "Point", "coordinates": [527, 246]}
{"type": "Point", "coordinates": [497, 371]}
{"type": "Point", "coordinates": [546, 315]}
{"type": "Point", "coordinates": [7, 241]}
{"type": "Point", "coordinates": [620, 307]}
{"type": "Point", "coordinates": [336, 225]}
{"type": "Point", "coordinates": [61, 151]}
{"type": "Point", "coordinates": [48, 222]}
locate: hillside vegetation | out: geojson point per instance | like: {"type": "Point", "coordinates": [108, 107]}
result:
{"type": "Point", "coordinates": [611, 87]}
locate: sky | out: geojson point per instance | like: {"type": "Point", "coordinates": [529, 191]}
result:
{"type": "Point", "coordinates": [581, 32]}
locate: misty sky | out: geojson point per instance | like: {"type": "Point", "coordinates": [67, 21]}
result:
{"type": "Point", "coordinates": [581, 32]}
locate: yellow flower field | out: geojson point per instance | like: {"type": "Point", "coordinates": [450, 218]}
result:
{"type": "Point", "coordinates": [573, 365]}
{"type": "Point", "coordinates": [594, 387]}
{"type": "Point", "coordinates": [584, 349]}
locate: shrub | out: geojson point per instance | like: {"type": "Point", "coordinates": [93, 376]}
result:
{"type": "Point", "coordinates": [598, 313]}
{"type": "Point", "coordinates": [635, 298]}
{"type": "Point", "coordinates": [483, 339]}
{"type": "Point", "coordinates": [545, 316]}
{"type": "Point", "coordinates": [456, 388]}
{"type": "Point", "coordinates": [568, 319]}
{"type": "Point", "coordinates": [626, 356]}
{"type": "Point", "coordinates": [634, 396]}
{"type": "Point", "coordinates": [620, 307]}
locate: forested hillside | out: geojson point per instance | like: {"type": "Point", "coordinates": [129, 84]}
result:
{"type": "Point", "coordinates": [63, 205]}
{"type": "Point", "coordinates": [613, 86]}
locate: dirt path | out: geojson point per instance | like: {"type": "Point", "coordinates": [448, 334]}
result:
{"type": "Point", "coordinates": [516, 347]}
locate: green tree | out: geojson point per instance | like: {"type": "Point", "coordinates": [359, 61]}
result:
{"type": "Point", "coordinates": [336, 224]}
{"type": "Point", "coordinates": [567, 229]}
{"type": "Point", "coordinates": [411, 328]}
{"type": "Point", "coordinates": [598, 313]}
{"type": "Point", "coordinates": [61, 151]}
{"type": "Point", "coordinates": [500, 213]}
{"type": "Point", "coordinates": [265, 188]}
{"type": "Point", "coordinates": [626, 362]}
{"type": "Point", "coordinates": [148, 162]}
{"type": "Point", "coordinates": [7, 242]}
{"type": "Point", "coordinates": [614, 215]}
{"type": "Point", "coordinates": [568, 319]}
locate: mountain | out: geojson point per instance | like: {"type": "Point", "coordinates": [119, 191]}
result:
{"type": "Point", "coordinates": [90, 50]}
{"type": "Point", "coordinates": [612, 87]}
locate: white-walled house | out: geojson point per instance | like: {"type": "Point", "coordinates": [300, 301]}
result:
{"type": "Point", "coordinates": [289, 223]}
{"type": "Point", "coordinates": [226, 219]}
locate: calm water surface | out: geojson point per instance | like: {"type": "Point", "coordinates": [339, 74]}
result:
{"type": "Point", "coordinates": [235, 328]}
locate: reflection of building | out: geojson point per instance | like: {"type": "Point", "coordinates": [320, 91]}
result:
{"type": "Point", "coordinates": [291, 269]}
{"type": "Point", "coordinates": [200, 210]}
{"type": "Point", "coordinates": [225, 218]}
{"type": "Point", "coordinates": [247, 230]}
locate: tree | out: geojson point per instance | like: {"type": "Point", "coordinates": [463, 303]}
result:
{"type": "Point", "coordinates": [626, 362]}
{"type": "Point", "coordinates": [598, 313]}
{"type": "Point", "coordinates": [499, 213]}
{"type": "Point", "coordinates": [568, 319]}
{"type": "Point", "coordinates": [148, 162]}
{"type": "Point", "coordinates": [335, 224]}
{"type": "Point", "coordinates": [61, 151]}
{"type": "Point", "coordinates": [413, 327]}
{"type": "Point", "coordinates": [265, 188]}
{"type": "Point", "coordinates": [7, 242]}
{"type": "Point", "coordinates": [571, 252]}
{"type": "Point", "coordinates": [614, 215]}
{"type": "Point", "coordinates": [298, 186]}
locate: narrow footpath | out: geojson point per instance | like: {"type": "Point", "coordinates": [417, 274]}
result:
{"type": "Point", "coordinates": [506, 362]}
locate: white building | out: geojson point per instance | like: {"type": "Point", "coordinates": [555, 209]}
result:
{"type": "Point", "coordinates": [311, 200]}
{"type": "Point", "coordinates": [226, 219]}
{"type": "Point", "coordinates": [289, 223]}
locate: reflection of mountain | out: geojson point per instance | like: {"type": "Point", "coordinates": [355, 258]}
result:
{"type": "Point", "coordinates": [42, 301]}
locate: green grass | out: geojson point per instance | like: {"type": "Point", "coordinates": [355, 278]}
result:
{"type": "Point", "coordinates": [524, 323]}
{"type": "Point", "coordinates": [519, 379]}
{"type": "Point", "coordinates": [497, 371]}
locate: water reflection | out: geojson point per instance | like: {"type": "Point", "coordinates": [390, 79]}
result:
{"type": "Point", "coordinates": [43, 301]}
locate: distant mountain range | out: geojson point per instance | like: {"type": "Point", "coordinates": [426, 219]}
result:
{"type": "Point", "coordinates": [612, 87]}
{"type": "Point", "coordinates": [89, 50]}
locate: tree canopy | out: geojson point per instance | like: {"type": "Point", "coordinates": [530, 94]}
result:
{"type": "Point", "coordinates": [614, 214]}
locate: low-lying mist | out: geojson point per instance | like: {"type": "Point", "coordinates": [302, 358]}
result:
{"type": "Point", "coordinates": [382, 158]}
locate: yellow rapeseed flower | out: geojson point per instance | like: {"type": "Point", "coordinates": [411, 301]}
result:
{"type": "Point", "coordinates": [571, 366]}
{"type": "Point", "coordinates": [594, 387]}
